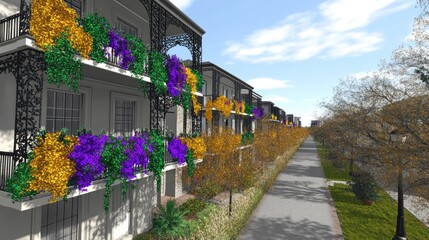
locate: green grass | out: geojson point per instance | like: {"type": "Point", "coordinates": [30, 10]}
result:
{"type": "Point", "coordinates": [378, 221]}
{"type": "Point", "coordinates": [331, 172]}
{"type": "Point", "coordinates": [362, 222]}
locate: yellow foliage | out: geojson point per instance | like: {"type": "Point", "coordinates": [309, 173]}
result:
{"type": "Point", "coordinates": [192, 80]}
{"type": "Point", "coordinates": [196, 145]}
{"type": "Point", "coordinates": [50, 167]}
{"type": "Point", "coordinates": [208, 113]}
{"type": "Point", "coordinates": [223, 105]}
{"type": "Point", "coordinates": [49, 18]}
{"type": "Point", "coordinates": [238, 107]}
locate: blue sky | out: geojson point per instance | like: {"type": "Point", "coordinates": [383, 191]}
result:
{"type": "Point", "coordinates": [295, 52]}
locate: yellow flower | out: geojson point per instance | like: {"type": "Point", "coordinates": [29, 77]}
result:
{"type": "Point", "coordinates": [50, 167]}
{"type": "Point", "coordinates": [223, 105]}
{"type": "Point", "coordinates": [208, 113]}
{"type": "Point", "coordinates": [192, 80]}
{"type": "Point", "coordinates": [196, 145]}
{"type": "Point", "coordinates": [49, 18]}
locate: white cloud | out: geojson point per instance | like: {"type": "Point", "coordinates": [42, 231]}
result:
{"type": "Point", "coordinates": [182, 4]}
{"type": "Point", "coordinates": [276, 99]}
{"type": "Point", "coordinates": [267, 83]}
{"type": "Point", "coordinates": [335, 30]}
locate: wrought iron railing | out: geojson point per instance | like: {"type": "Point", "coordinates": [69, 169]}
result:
{"type": "Point", "coordinates": [9, 28]}
{"type": "Point", "coordinates": [7, 167]}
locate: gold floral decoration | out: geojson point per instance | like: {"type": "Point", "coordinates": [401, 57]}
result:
{"type": "Point", "coordinates": [208, 113]}
{"type": "Point", "coordinates": [50, 168]}
{"type": "Point", "coordinates": [196, 145]}
{"type": "Point", "coordinates": [192, 80]}
{"type": "Point", "coordinates": [238, 106]}
{"type": "Point", "coordinates": [223, 105]}
{"type": "Point", "coordinates": [49, 18]}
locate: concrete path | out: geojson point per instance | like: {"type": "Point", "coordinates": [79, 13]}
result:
{"type": "Point", "coordinates": [299, 205]}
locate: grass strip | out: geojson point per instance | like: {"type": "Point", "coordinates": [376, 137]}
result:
{"type": "Point", "coordinates": [377, 221]}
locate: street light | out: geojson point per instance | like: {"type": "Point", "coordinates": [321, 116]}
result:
{"type": "Point", "coordinates": [399, 137]}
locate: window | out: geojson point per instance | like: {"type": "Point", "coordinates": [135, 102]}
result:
{"type": "Point", "coordinates": [76, 5]}
{"type": "Point", "coordinates": [63, 111]}
{"type": "Point", "coordinates": [60, 220]}
{"type": "Point", "coordinates": [125, 112]}
{"type": "Point", "coordinates": [125, 28]}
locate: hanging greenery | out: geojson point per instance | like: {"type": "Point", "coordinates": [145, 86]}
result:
{"type": "Point", "coordinates": [190, 162]}
{"type": "Point", "coordinates": [62, 67]}
{"type": "Point", "coordinates": [200, 80]}
{"type": "Point", "coordinates": [156, 163]}
{"type": "Point", "coordinates": [158, 72]}
{"type": "Point", "coordinates": [137, 67]}
{"type": "Point", "coordinates": [112, 157]}
{"type": "Point", "coordinates": [248, 109]}
{"type": "Point", "coordinates": [98, 27]}
{"type": "Point", "coordinates": [19, 184]}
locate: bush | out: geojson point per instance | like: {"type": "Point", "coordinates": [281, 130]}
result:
{"type": "Point", "coordinates": [364, 186]}
{"type": "Point", "coordinates": [207, 190]}
{"type": "Point", "coordinates": [193, 206]}
{"type": "Point", "coordinates": [169, 222]}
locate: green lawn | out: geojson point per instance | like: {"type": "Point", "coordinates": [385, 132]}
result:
{"type": "Point", "coordinates": [362, 222]}
{"type": "Point", "coordinates": [331, 172]}
{"type": "Point", "coordinates": [378, 221]}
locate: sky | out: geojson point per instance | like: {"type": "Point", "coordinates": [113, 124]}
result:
{"type": "Point", "coordinates": [295, 52]}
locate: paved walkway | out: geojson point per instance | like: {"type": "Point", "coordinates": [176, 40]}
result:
{"type": "Point", "coordinates": [299, 205]}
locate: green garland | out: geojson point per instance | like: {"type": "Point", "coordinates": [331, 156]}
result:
{"type": "Point", "coordinates": [97, 26]}
{"type": "Point", "coordinates": [190, 162]}
{"type": "Point", "coordinates": [200, 79]}
{"type": "Point", "coordinates": [248, 108]}
{"type": "Point", "coordinates": [19, 183]}
{"type": "Point", "coordinates": [158, 72]}
{"type": "Point", "coordinates": [62, 68]}
{"type": "Point", "coordinates": [112, 157]}
{"type": "Point", "coordinates": [156, 163]}
{"type": "Point", "coordinates": [247, 138]}
{"type": "Point", "coordinates": [138, 50]}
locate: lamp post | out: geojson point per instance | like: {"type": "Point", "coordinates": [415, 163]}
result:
{"type": "Point", "coordinates": [399, 137]}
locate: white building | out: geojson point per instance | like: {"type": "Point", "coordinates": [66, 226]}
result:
{"type": "Point", "coordinates": [108, 99]}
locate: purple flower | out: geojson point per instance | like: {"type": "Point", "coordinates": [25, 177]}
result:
{"type": "Point", "coordinates": [258, 113]}
{"type": "Point", "coordinates": [120, 47]}
{"type": "Point", "coordinates": [138, 149]}
{"type": "Point", "coordinates": [176, 76]}
{"type": "Point", "coordinates": [178, 150]}
{"type": "Point", "coordinates": [87, 157]}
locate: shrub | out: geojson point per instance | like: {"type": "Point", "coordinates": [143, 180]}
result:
{"type": "Point", "coordinates": [193, 206]}
{"type": "Point", "coordinates": [364, 186]}
{"type": "Point", "coordinates": [207, 190]}
{"type": "Point", "coordinates": [169, 221]}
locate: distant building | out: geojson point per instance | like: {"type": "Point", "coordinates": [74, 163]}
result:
{"type": "Point", "coordinates": [315, 123]}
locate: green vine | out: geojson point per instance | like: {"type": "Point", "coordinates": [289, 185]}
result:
{"type": "Point", "coordinates": [158, 72]}
{"type": "Point", "coordinates": [200, 82]}
{"type": "Point", "coordinates": [19, 183]}
{"type": "Point", "coordinates": [138, 50]}
{"type": "Point", "coordinates": [248, 108]}
{"type": "Point", "coordinates": [190, 162]}
{"type": "Point", "coordinates": [156, 163]}
{"type": "Point", "coordinates": [112, 157]}
{"type": "Point", "coordinates": [62, 68]}
{"type": "Point", "coordinates": [97, 26]}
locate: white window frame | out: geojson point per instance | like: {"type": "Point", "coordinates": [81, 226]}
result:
{"type": "Point", "coordinates": [85, 112]}
{"type": "Point", "coordinates": [127, 97]}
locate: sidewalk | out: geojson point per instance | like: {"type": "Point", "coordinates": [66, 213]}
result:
{"type": "Point", "coordinates": [298, 206]}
